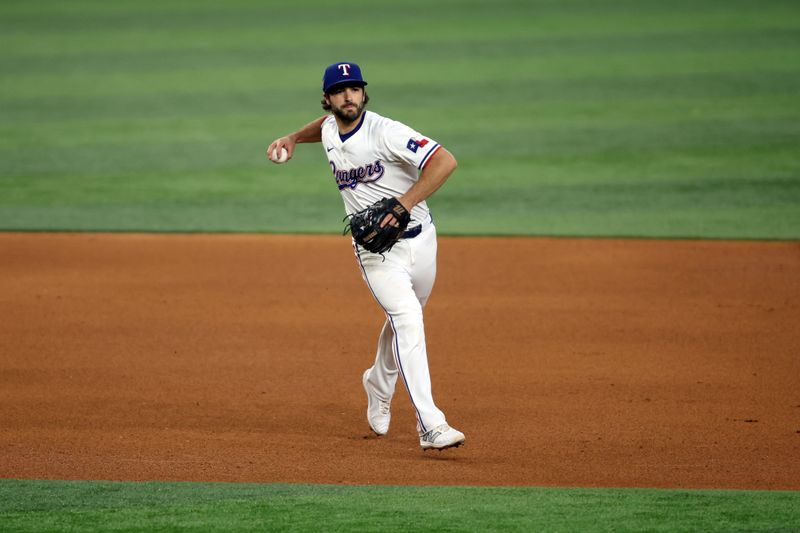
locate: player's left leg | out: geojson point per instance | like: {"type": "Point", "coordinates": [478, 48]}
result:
{"type": "Point", "coordinates": [422, 266]}
{"type": "Point", "coordinates": [422, 263]}
{"type": "Point", "coordinates": [401, 297]}
{"type": "Point", "coordinates": [423, 250]}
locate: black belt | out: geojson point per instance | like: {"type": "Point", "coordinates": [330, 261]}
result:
{"type": "Point", "coordinates": [412, 232]}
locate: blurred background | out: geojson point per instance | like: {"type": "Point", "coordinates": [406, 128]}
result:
{"type": "Point", "coordinates": [568, 117]}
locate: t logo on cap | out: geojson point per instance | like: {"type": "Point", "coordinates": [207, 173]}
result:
{"type": "Point", "coordinates": [343, 73]}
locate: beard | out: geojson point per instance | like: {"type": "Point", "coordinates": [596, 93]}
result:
{"type": "Point", "coordinates": [348, 116]}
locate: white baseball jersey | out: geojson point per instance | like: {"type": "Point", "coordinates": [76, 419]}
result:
{"type": "Point", "coordinates": [379, 158]}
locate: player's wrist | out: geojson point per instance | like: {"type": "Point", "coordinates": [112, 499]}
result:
{"type": "Point", "coordinates": [406, 202]}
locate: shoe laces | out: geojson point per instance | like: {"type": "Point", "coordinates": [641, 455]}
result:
{"type": "Point", "coordinates": [383, 407]}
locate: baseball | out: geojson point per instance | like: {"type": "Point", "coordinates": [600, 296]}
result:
{"type": "Point", "coordinates": [279, 158]}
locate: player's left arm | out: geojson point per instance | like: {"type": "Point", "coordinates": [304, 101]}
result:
{"type": "Point", "coordinates": [436, 171]}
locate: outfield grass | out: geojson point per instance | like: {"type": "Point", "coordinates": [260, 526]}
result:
{"type": "Point", "coordinates": [568, 117]}
{"type": "Point", "coordinates": [89, 506]}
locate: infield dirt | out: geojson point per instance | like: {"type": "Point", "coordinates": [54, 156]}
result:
{"type": "Point", "coordinates": [569, 362]}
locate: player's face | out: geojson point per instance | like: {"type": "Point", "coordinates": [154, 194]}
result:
{"type": "Point", "coordinates": [347, 103]}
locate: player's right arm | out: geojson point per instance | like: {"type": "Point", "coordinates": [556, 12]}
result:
{"type": "Point", "coordinates": [310, 133]}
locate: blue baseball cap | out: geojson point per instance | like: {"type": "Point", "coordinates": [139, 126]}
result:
{"type": "Point", "coordinates": [340, 74]}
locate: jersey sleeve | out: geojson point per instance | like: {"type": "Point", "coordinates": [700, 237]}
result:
{"type": "Point", "coordinates": [402, 143]}
{"type": "Point", "coordinates": [326, 130]}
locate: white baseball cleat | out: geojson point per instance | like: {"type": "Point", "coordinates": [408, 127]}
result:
{"type": "Point", "coordinates": [441, 437]}
{"type": "Point", "coordinates": [378, 411]}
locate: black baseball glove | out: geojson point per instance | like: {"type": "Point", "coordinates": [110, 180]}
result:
{"type": "Point", "coordinates": [365, 225]}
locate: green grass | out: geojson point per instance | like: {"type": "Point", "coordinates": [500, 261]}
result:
{"type": "Point", "coordinates": [89, 506]}
{"type": "Point", "coordinates": [568, 117]}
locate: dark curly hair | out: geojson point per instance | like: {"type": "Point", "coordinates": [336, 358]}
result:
{"type": "Point", "coordinates": [326, 107]}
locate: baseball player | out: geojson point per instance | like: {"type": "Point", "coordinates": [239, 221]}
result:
{"type": "Point", "coordinates": [374, 158]}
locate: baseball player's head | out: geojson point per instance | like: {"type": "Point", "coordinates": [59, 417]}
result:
{"type": "Point", "coordinates": [343, 91]}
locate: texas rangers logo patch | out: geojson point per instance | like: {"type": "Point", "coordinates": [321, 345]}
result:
{"type": "Point", "coordinates": [415, 145]}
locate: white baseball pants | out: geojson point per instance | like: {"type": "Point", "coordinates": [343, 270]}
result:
{"type": "Point", "coordinates": [401, 285]}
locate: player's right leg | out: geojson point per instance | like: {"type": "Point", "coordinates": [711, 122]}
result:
{"type": "Point", "coordinates": [383, 374]}
{"type": "Point", "coordinates": [379, 382]}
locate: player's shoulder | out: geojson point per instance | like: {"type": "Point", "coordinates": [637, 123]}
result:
{"type": "Point", "coordinates": [375, 118]}
{"type": "Point", "coordinates": [328, 127]}
{"type": "Point", "coordinates": [384, 124]}
{"type": "Point", "coordinates": [328, 122]}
